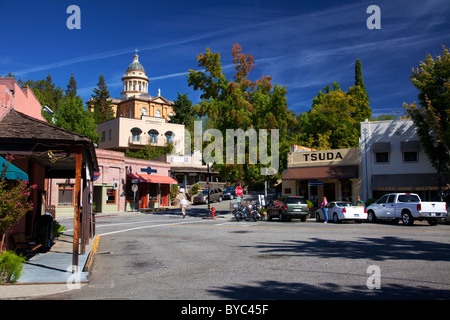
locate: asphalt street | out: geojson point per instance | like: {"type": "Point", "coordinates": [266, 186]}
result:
{"type": "Point", "coordinates": [161, 256]}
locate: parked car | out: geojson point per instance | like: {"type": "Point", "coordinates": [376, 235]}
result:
{"type": "Point", "coordinates": [214, 195]}
{"type": "Point", "coordinates": [342, 210]}
{"type": "Point", "coordinates": [295, 207]}
{"type": "Point", "coordinates": [407, 207]}
{"type": "Point", "coordinates": [229, 193]}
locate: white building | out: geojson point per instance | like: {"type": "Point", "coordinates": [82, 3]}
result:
{"type": "Point", "coordinates": [392, 160]}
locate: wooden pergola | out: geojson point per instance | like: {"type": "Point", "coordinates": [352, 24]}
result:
{"type": "Point", "coordinates": [62, 154]}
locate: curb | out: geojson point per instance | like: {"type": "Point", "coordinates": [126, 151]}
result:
{"type": "Point", "coordinates": [90, 259]}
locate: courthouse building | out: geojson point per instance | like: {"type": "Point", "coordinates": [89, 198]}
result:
{"type": "Point", "coordinates": [140, 119]}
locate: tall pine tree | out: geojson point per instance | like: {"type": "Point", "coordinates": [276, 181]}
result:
{"type": "Point", "coordinates": [101, 102]}
{"type": "Point", "coordinates": [72, 87]}
{"type": "Point", "coordinates": [359, 81]}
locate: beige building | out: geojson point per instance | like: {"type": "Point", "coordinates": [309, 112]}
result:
{"type": "Point", "coordinates": [129, 134]}
{"type": "Point", "coordinates": [140, 118]}
{"type": "Point", "coordinates": [315, 174]}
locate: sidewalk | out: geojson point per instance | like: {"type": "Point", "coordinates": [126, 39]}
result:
{"type": "Point", "coordinates": [49, 273]}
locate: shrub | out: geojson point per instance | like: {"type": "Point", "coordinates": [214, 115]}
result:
{"type": "Point", "coordinates": [11, 266]}
{"type": "Point", "coordinates": [195, 189]}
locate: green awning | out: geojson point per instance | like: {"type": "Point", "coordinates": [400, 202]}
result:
{"type": "Point", "coordinates": [12, 172]}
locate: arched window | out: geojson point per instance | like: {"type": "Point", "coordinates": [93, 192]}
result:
{"type": "Point", "coordinates": [153, 136]}
{"type": "Point", "coordinates": [169, 136]}
{"type": "Point", "coordinates": [136, 134]}
{"type": "Point", "coordinates": [143, 111]}
{"type": "Point", "coordinates": [158, 114]}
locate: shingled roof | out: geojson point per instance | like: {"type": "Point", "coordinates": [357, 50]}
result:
{"type": "Point", "coordinates": [25, 135]}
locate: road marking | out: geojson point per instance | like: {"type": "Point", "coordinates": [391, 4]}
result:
{"type": "Point", "coordinates": [237, 225]}
{"type": "Point", "coordinates": [144, 227]}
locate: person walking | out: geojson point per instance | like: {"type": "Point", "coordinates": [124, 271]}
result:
{"type": "Point", "coordinates": [183, 204]}
{"type": "Point", "coordinates": [324, 208]}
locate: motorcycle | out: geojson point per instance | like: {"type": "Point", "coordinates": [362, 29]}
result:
{"type": "Point", "coordinates": [246, 212]}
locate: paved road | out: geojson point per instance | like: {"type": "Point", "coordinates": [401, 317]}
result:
{"type": "Point", "coordinates": [162, 256]}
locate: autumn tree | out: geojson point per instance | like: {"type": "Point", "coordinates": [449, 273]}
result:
{"type": "Point", "coordinates": [240, 103]}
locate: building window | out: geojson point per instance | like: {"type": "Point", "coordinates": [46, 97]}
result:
{"type": "Point", "coordinates": [153, 136]}
{"type": "Point", "coordinates": [136, 135]}
{"type": "Point", "coordinates": [65, 195]}
{"type": "Point", "coordinates": [144, 112]}
{"type": "Point", "coordinates": [102, 139]}
{"type": "Point", "coordinates": [110, 196]}
{"type": "Point", "coordinates": [381, 157]}
{"type": "Point", "coordinates": [169, 137]}
{"type": "Point", "coordinates": [158, 114]}
{"type": "Point", "coordinates": [287, 190]}
{"type": "Point", "coordinates": [410, 156]}
{"type": "Point", "coordinates": [110, 134]}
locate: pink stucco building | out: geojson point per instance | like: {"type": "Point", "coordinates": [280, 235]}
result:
{"type": "Point", "coordinates": [21, 99]}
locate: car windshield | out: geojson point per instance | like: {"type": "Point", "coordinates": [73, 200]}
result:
{"type": "Point", "coordinates": [408, 198]}
{"type": "Point", "coordinates": [343, 204]}
{"type": "Point", "coordinates": [295, 200]}
{"type": "Point", "coordinates": [204, 193]}
{"type": "Point", "coordinates": [229, 189]}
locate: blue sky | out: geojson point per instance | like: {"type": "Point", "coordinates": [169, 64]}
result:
{"type": "Point", "coordinates": [304, 45]}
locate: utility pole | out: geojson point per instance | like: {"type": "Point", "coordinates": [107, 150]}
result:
{"type": "Point", "coordinates": [76, 218]}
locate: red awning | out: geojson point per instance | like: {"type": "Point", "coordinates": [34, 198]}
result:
{"type": "Point", "coordinates": [151, 178]}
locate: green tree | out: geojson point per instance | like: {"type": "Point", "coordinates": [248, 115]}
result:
{"type": "Point", "coordinates": [184, 114]}
{"type": "Point", "coordinates": [72, 116]}
{"type": "Point", "coordinates": [330, 124]}
{"type": "Point", "coordinates": [72, 87]}
{"type": "Point", "coordinates": [150, 152]}
{"type": "Point", "coordinates": [383, 117]}
{"type": "Point", "coordinates": [431, 116]}
{"type": "Point", "coordinates": [46, 92]}
{"type": "Point", "coordinates": [101, 102]}
{"type": "Point", "coordinates": [359, 81]}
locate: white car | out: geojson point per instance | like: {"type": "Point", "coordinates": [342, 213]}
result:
{"type": "Point", "coordinates": [341, 210]}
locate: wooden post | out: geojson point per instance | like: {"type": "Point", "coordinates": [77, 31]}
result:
{"type": "Point", "coordinates": [76, 218]}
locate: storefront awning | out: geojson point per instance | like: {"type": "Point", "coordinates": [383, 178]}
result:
{"type": "Point", "coordinates": [12, 172]}
{"type": "Point", "coordinates": [321, 173]}
{"type": "Point", "coordinates": [151, 178]}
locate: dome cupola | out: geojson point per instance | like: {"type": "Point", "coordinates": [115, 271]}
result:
{"type": "Point", "coordinates": [135, 82]}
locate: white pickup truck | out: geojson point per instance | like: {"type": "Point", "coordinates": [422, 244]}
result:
{"type": "Point", "coordinates": [406, 206]}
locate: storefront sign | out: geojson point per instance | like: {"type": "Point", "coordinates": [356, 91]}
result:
{"type": "Point", "coordinates": [315, 183]}
{"type": "Point", "coordinates": [321, 156]}
{"type": "Point", "coordinates": [333, 157]}
{"type": "Point", "coordinates": [148, 170]}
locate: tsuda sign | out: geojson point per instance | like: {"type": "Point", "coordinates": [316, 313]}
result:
{"type": "Point", "coordinates": [322, 156]}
